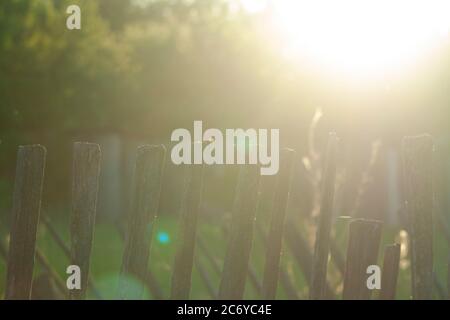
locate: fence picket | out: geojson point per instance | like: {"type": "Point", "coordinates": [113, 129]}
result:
{"type": "Point", "coordinates": [184, 256]}
{"type": "Point", "coordinates": [362, 251]}
{"type": "Point", "coordinates": [418, 185]}
{"type": "Point", "coordinates": [275, 235]}
{"type": "Point", "coordinates": [25, 212]}
{"type": "Point", "coordinates": [322, 244]}
{"type": "Point", "coordinates": [236, 264]}
{"type": "Point", "coordinates": [144, 208]}
{"type": "Point", "coordinates": [363, 241]}
{"type": "Point", "coordinates": [86, 171]}
{"type": "Point", "coordinates": [390, 272]}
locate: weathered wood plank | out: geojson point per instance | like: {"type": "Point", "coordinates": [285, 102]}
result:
{"type": "Point", "coordinates": [25, 213]}
{"type": "Point", "coordinates": [303, 255]}
{"type": "Point", "coordinates": [418, 190]}
{"type": "Point", "coordinates": [240, 237]}
{"type": "Point", "coordinates": [390, 272]}
{"type": "Point", "coordinates": [276, 229]}
{"type": "Point", "coordinates": [184, 256]}
{"type": "Point", "coordinates": [86, 171]}
{"type": "Point", "coordinates": [322, 242]}
{"type": "Point", "coordinates": [448, 278]}
{"type": "Point", "coordinates": [65, 248]}
{"type": "Point", "coordinates": [143, 212]}
{"type": "Point", "coordinates": [204, 275]}
{"type": "Point", "coordinates": [285, 279]}
{"type": "Point", "coordinates": [362, 251]}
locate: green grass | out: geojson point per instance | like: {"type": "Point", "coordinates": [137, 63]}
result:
{"type": "Point", "coordinates": [108, 249]}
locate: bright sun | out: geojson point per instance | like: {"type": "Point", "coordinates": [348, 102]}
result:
{"type": "Point", "coordinates": [358, 36]}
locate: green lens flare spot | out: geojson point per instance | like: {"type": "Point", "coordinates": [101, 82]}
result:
{"type": "Point", "coordinates": [163, 237]}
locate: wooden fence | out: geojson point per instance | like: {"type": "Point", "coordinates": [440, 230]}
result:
{"type": "Point", "coordinates": [364, 236]}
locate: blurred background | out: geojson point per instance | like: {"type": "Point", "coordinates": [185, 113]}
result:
{"type": "Point", "coordinates": [372, 72]}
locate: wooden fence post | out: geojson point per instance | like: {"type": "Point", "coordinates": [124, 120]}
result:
{"type": "Point", "coordinates": [86, 171]}
{"type": "Point", "coordinates": [205, 277]}
{"type": "Point", "coordinates": [275, 235]}
{"type": "Point", "coordinates": [45, 264]}
{"type": "Point", "coordinates": [285, 280]}
{"type": "Point", "coordinates": [235, 269]}
{"type": "Point", "coordinates": [25, 212]}
{"type": "Point", "coordinates": [362, 251]}
{"type": "Point", "coordinates": [448, 278]}
{"type": "Point", "coordinates": [151, 282]}
{"type": "Point", "coordinates": [390, 272]}
{"type": "Point", "coordinates": [252, 274]}
{"type": "Point", "coordinates": [60, 242]}
{"type": "Point", "coordinates": [184, 256]}
{"type": "Point", "coordinates": [303, 256]}
{"type": "Point", "coordinates": [322, 244]}
{"type": "Point", "coordinates": [143, 211]}
{"type": "Point", "coordinates": [418, 189]}
{"type": "Point", "coordinates": [216, 268]}
{"type": "Point", "coordinates": [205, 251]}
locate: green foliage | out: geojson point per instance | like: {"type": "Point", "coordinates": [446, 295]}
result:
{"type": "Point", "coordinates": [54, 78]}
{"type": "Point", "coordinates": [171, 60]}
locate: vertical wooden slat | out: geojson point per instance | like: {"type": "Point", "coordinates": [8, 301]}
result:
{"type": "Point", "coordinates": [86, 171]}
{"type": "Point", "coordinates": [151, 281]}
{"type": "Point", "coordinates": [205, 251]}
{"type": "Point", "coordinates": [322, 243]}
{"type": "Point", "coordinates": [440, 291]}
{"type": "Point", "coordinates": [216, 268]}
{"type": "Point", "coordinates": [65, 248]}
{"type": "Point", "coordinates": [303, 255]}
{"type": "Point", "coordinates": [448, 278]}
{"type": "Point", "coordinates": [154, 286]}
{"type": "Point", "coordinates": [285, 279]}
{"type": "Point", "coordinates": [143, 212]}
{"type": "Point", "coordinates": [205, 276]}
{"type": "Point", "coordinates": [45, 264]}
{"type": "Point", "coordinates": [390, 272]}
{"type": "Point", "coordinates": [235, 269]}
{"type": "Point", "coordinates": [184, 256]}
{"type": "Point", "coordinates": [363, 244]}
{"type": "Point", "coordinates": [288, 286]}
{"type": "Point", "coordinates": [418, 189]}
{"type": "Point", "coordinates": [25, 212]}
{"type": "Point", "coordinates": [275, 235]}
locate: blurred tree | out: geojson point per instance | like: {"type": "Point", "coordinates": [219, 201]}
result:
{"type": "Point", "coordinates": [53, 80]}
{"type": "Point", "coordinates": [144, 67]}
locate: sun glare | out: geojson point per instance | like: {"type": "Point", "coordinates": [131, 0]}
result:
{"type": "Point", "coordinates": [358, 36]}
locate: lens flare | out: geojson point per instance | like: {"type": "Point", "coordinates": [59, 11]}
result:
{"type": "Point", "coordinates": [358, 36]}
{"type": "Point", "coordinates": [163, 237]}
